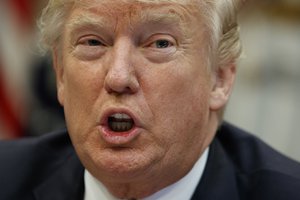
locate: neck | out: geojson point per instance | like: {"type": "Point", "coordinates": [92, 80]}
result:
{"type": "Point", "coordinates": [144, 188]}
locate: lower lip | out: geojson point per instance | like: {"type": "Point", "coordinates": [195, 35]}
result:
{"type": "Point", "coordinates": [118, 138]}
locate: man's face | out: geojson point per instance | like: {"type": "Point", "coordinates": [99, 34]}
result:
{"type": "Point", "coordinates": [136, 89]}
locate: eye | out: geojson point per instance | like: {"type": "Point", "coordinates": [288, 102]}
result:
{"type": "Point", "coordinates": [160, 48]}
{"type": "Point", "coordinates": [91, 41]}
{"type": "Point", "coordinates": [94, 42]}
{"type": "Point", "coordinates": [161, 44]}
{"type": "Point", "coordinates": [90, 47]}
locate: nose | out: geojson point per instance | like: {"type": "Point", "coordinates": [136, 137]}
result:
{"type": "Point", "coordinates": [121, 75]}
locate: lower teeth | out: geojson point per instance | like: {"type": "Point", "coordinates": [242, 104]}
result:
{"type": "Point", "coordinates": [120, 126]}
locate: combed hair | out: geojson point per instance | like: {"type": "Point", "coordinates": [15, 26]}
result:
{"type": "Point", "coordinates": [220, 17]}
{"type": "Point", "coordinates": [224, 30]}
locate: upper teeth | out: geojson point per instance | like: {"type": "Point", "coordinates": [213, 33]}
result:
{"type": "Point", "coordinates": [121, 116]}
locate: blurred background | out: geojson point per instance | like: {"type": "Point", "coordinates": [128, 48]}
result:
{"type": "Point", "coordinates": [265, 101]}
{"type": "Point", "coordinates": [266, 97]}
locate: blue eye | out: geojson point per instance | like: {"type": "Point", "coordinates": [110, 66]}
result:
{"type": "Point", "coordinates": [162, 44]}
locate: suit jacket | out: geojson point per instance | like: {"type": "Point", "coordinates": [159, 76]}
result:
{"type": "Point", "coordinates": [239, 167]}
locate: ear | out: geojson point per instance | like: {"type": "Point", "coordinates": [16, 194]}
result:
{"type": "Point", "coordinates": [59, 72]}
{"type": "Point", "coordinates": [223, 81]}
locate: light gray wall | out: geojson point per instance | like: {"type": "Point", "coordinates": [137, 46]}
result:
{"type": "Point", "coordinates": [266, 98]}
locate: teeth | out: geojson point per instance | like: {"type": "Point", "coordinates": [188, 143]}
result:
{"type": "Point", "coordinates": [121, 116]}
{"type": "Point", "coordinates": [120, 126]}
{"type": "Point", "coordinates": [120, 122]}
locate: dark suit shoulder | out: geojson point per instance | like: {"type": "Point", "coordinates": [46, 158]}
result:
{"type": "Point", "coordinates": [35, 148]}
{"type": "Point", "coordinates": [262, 172]}
{"type": "Point", "coordinates": [25, 162]}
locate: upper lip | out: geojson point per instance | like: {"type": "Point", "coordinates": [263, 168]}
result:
{"type": "Point", "coordinates": [108, 112]}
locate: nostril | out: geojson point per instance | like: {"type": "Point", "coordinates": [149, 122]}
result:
{"type": "Point", "coordinates": [125, 90]}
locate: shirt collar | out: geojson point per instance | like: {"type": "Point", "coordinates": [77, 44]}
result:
{"type": "Point", "coordinates": [182, 189]}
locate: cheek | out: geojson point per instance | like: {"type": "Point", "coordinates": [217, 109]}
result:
{"type": "Point", "coordinates": [82, 86]}
{"type": "Point", "coordinates": [83, 82]}
{"type": "Point", "coordinates": [179, 100]}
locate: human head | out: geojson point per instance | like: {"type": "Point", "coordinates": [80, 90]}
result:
{"type": "Point", "coordinates": [141, 83]}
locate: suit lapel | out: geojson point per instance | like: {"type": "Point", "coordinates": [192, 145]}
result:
{"type": "Point", "coordinates": [65, 183]}
{"type": "Point", "coordinates": [219, 178]}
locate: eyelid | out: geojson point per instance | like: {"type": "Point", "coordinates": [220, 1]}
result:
{"type": "Point", "coordinates": [85, 50]}
{"type": "Point", "coordinates": [157, 37]}
{"type": "Point", "coordinates": [84, 40]}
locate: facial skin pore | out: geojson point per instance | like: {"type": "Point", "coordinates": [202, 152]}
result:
{"type": "Point", "coordinates": [149, 61]}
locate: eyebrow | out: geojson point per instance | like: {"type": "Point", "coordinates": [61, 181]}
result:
{"type": "Point", "coordinates": [169, 18]}
{"type": "Point", "coordinates": [86, 21]}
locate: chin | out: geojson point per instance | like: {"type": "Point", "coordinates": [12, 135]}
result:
{"type": "Point", "coordinates": [121, 163]}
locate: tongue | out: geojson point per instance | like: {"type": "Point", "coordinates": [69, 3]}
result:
{"type": "Point", "coordinates": [120, 125]}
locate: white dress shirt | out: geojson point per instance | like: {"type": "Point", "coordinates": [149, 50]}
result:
{"type": "Point", "coordinates": [182, 189]}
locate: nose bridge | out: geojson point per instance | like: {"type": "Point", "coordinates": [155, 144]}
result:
{"type": "Point", "coordinates": [121, 77]}
{"type": "Point", "coordinates": [121, 59]}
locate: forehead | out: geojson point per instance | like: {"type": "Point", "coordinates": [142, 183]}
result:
{"type": "Point", "coordinates": [140, 8]}
{"type": "Point", "coordinates": [135, 2]}
{"type": "Point", "coordinates": [182, 13]}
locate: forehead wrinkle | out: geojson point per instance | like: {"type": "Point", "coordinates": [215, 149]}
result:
{"type": "Point", "coordinates": [139, 10]}
{"type": "Point", "coordinates": [157, 17]}
{"type": "Point", "coordinates": [129, 15]}
{"type": "Point", "coordinates": [123, 7]}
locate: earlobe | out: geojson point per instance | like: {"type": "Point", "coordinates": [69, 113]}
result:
{"type": "Point", "coordinates": [59, 72]}
{"type": "Point", "coordinates": [222, 87]}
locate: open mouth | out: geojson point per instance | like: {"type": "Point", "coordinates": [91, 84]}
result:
{"type": "Point", "coordinates": [120, 122]}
